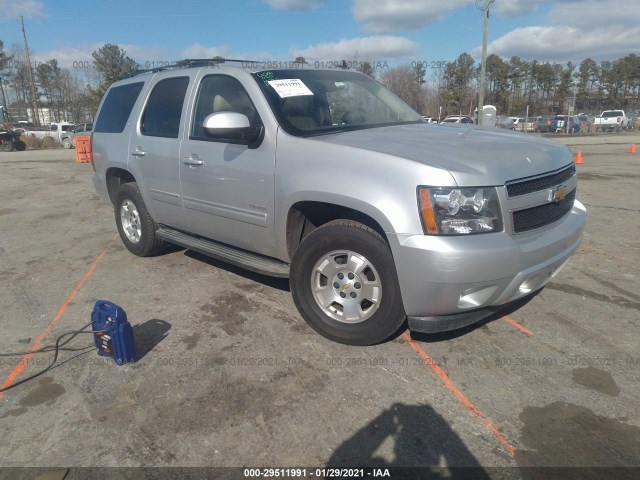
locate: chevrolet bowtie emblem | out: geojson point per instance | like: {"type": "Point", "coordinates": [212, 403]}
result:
{"type": "Point", "coordinates": [558, 193]}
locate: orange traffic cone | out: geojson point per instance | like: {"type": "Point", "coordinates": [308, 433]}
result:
{"type": "Point", "coordinates": [578, 159]}
{"type": "Point", "coordinates": [632, 148]}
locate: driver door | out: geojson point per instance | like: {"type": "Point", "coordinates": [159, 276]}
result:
{"type": "Point", "coordinates": [227, 187]}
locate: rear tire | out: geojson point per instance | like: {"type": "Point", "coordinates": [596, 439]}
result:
{"type": "Point", "coordinates": [66, 143]}
{"type": "Point", "coordinates": [20, 146]}
{"type": "Point", "coordinates": [344, 284]}
{"type": "Point", "coordinates": [135, 225]}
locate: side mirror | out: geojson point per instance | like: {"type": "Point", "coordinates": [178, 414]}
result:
{"type": "Point", "coordinates": [232, 126]}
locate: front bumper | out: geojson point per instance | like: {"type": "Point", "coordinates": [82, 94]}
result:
{"type": "Point", "coordinates": [450, 282]}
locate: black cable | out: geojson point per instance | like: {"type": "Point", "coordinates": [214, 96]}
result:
{"type": "Point", "coordinates": [46, 349]}
{"type": "Point", "coordinates": [49, 348]}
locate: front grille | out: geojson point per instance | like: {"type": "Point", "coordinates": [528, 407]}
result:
{"type": "Point", "coordinates": [522, 187]}
{"type": "Point", "coordinates": [542, 215]}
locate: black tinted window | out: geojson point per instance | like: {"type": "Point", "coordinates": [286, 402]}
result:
{"type": "Point", "coordinates": [161, 117]}
{"type": "Point", "coordinates": [117, 107]}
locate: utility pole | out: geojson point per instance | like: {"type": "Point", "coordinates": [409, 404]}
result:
{"type": "Point", "coordinates": [483, 65]}
{"type": "Point", "coordinates": [34, 99]}
{"type": "Point", "coordinates": [4, 97]}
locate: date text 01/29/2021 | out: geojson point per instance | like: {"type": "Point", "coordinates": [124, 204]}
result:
{"type": "Point", "coordinates": [317, 472]}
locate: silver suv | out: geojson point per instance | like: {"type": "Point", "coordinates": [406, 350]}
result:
{"type": "Point", "coordinates": [328, 178]}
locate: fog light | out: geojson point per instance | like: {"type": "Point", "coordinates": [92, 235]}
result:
{"type": "Point", "coordinates": [476, 297]}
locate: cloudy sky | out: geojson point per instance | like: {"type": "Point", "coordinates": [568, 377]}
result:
{"type": "Point", "coordinates": [391, 31]}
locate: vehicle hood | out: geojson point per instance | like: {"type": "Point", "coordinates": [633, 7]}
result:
{"type": "Point", "coordinates": [474, 156]}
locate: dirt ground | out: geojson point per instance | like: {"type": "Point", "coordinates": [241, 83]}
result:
{"type": "Point", "coordinates": [229, 375]}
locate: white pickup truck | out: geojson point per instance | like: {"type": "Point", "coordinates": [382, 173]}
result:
{"type": "Point", "coordinates": [613, 120]}
{"type": "Point", "coordinates": [58, 131]}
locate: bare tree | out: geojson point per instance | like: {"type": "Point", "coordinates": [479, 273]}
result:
{"type": "Point", "coordinates": [403, 82]}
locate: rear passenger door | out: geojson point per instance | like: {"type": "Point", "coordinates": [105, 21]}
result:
{"type": "Point", "coordinates": [154, 149]}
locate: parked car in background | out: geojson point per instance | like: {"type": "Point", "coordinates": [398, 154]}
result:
{"type": "Point", "coordinates": [82, 129]}
{"type": "Point", "coordinates": [10, 139]}
{"type": "Point", "coordinates": [430, 119]}
{"type": "Point", "coordinates": [531, 124]}
{"type": "Point", "coordinates": [543, 126]}
{"type": "Point", "coordinates": [58, 131]}
{"type": "Point", "coordinates": [611, 120]}
{"type": "Point", "coordinates": [548, 119]}
{"type": "Point", "coordinates": [586, 123]}
{"type": "Point", "coordinates": [458, 119]}
{"type": "Point", "coordinates": [559, 124]}
{"type": "Point", "coordinates": [504, 122]}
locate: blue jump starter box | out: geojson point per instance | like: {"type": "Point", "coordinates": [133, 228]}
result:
{"type": "Point", "coordinates": [113, 334]}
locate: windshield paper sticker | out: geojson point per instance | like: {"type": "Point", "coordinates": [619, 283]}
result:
{"type": "Point", "coordinates": [292, 87]}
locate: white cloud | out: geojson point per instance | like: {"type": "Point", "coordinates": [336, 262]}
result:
{"type": "Point", "coordinates": [386, 16]}
{"type": "Point", "coordinates": [198, 50]}
{"type": "Point", "coordinates": [377, 48]}
{"type": "Point", "coordinates": [67, 57]}
{"type": "Point", "coordinates": [599, 29]}
{"type": "Point", "coordinates": [26, 8]}
{"type": "Point", "coordinates": [296, 5]}
{"type": "Point", "coordinates": [79, 57]}
{"type": "Point", "coordinates": [605, 14]}
{"type": "Point", "coordinates": [514, 8]}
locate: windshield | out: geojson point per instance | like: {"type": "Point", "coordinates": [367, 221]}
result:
{"type": "Point", "coordinates": [314, 102]}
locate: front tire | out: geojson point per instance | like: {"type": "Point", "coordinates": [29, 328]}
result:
{"type": "Point", "coordinates": [7, 146]}
{"type": "Point", "coordinates": [344, 284]}
{"type": "Point", "coordinates": [135, 225]}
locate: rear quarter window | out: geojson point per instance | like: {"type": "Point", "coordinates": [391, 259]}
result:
{"type": "Point", "coordinates": [117, 107]}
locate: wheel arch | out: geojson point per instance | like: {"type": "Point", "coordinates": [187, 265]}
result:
{"type": "Point", "coordinates": [304, 216]}
{"type": "Point", "coordinates": [116, 177]}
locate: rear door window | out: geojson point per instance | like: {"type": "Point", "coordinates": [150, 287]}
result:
{"type": "Point", "coordinates": [161, 117]}
{"type": "Point", "coordinates": [117, 107]}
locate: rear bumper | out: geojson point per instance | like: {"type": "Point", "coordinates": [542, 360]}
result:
{"type": "Point", "coordinates": [100, 184]}
{"type": "Point", "coordinates": [448, 283]}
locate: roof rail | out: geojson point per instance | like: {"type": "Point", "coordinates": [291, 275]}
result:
{"type": "Point", "coordinates": [196, 62]}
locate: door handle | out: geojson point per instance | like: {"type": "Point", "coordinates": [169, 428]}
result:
{"type": "Point", "coordinates": [138, 152]}
{"type": "Point", "coordinates": [192, 160]}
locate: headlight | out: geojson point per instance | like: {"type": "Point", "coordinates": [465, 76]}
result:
{"type": "Point", "coordinates": [459, 211]}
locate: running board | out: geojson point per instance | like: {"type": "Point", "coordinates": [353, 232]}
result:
{"type": "Point", "coordinates": [235, 256]}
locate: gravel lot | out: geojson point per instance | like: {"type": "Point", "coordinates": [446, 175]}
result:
{"type": "Point", "coordinates": [229, 375]}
